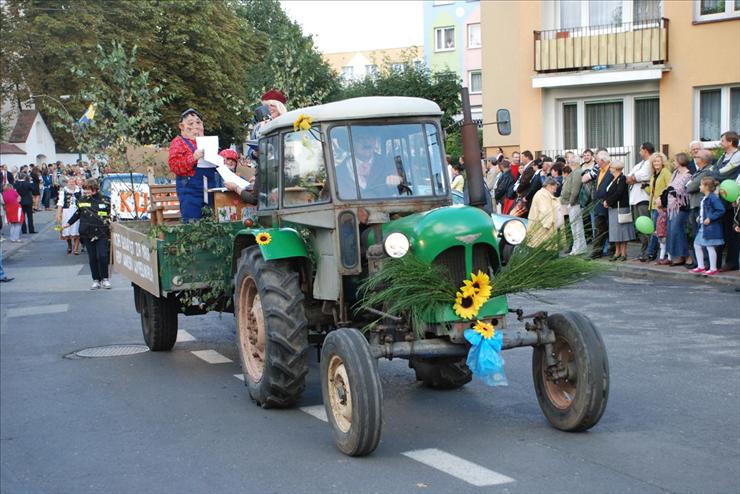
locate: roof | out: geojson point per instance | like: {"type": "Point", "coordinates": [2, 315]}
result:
{"type": "Point", "coordinates": [359, 108]}
{"type": "Point", "coordinates": [337, 60]}
{"type": "Point", "coordinates": [6, 148]}
{"type": "Point", "coordinates": [23, 126]}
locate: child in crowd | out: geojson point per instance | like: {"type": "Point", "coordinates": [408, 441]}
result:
{"type": "Point", "coordinates": [710, 234]}
{"type": "Point", "coordinates": [661, 231]}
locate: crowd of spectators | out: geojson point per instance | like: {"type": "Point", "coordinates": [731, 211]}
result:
{"type": "Point", "coordinates": [598, 203]}
{"type": "Point", "coordinates": [31, 188]}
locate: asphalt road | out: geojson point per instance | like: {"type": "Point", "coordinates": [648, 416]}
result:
{"type": "Point", "coordinates": [172, 422]}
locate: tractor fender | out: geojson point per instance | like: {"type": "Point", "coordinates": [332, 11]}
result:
{"type": "Point", "coordinates": [284, 243]}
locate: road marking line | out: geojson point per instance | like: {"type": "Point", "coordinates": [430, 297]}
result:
{"type": "Point", "coordinates": [239, 376]}
{"type": "Point", "coordinates": [37, 310]}
{"type": "Point", "coordinates": [316, 411]}
{"type": "Point", "coordinates": [183, 335]}
{"type": "Point", "coordinates": [465, 470]}
{"type": "Point", "coordinates": [211, 356]}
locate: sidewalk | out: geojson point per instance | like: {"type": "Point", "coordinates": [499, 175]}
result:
{"type": "Point", "coordinates": [43, 221]}
{"type": "Point", "coordinates": [651, 270]}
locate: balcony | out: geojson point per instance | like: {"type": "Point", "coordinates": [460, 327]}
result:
{"type": "Point", "coordinates": [623, 46]}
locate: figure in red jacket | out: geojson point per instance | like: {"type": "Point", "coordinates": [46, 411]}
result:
{"type": "Point", "coordinates": [194, 174]}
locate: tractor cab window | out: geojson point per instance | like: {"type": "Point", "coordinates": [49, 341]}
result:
{"type": "Point", "coordinates": [387, 161]}
{"type": "Point", "coordinates": [269, 165]}
{"type": "Point", "coordinates": [304, 170]}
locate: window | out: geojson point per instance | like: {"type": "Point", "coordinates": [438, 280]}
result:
{"type": "Point", "coordinates": [398, 67]}
{"type": "Point", "coordinates": [647, 121]}
{"type": "Point", "coordinates": [646, 10]}
{"type": "Point", "coordinates": [570, 126]}
{"type": "Point", "coordinates": [386, 161]}
{"type": "Point", "coordinates": [604, 124]}
{"type": "Point", "coordinates": [710, 118]}
{"type": "Point", "coordinates": [304, 171]}
{"type": "Point", "coordinates": [712, 10]}
{"type": "Point", "coordinates": [605, 12]}
{"type": "Point", "coordinates": [735, 107]}
{"type": "Point", "coordinates": [371, 70]}
{"type": "Point", "coordinates": [269, 165]}
{"type": "Point", "coordinates": [570, 14]}
{"type": "Point", "coordinates": [444, 39]}
{"type": "Point", "coordinates": [348, 73]}
{"type": "Point", "coordinates": [475, 81]}
{"type": "Point", "coordinates": [474, 35]}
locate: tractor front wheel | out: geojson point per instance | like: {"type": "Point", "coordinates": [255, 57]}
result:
{"type": "Point", "coordinates": [573, 393]}
{"type": "Point", "coordinates": [353, 395]}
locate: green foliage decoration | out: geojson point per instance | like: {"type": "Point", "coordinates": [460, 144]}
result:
{"type": "Point", "coordinates": [187, 245]}
{"type": "Point", "coordinates": [411, 288]}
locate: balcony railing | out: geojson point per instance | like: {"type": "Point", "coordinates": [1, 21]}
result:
{"type": "Point", "coordinates": [599, 47]}
{"type": "Point", "coordinates": [626, 154]}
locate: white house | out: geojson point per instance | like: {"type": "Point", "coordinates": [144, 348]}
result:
{"type": "Point", "coordinates": [31, 142]}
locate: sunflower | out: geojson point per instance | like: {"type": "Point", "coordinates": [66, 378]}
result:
{"type": "Point", "coordinates": [481, 284]}
{"type": "Point", "coordinates": [264, 238]}
{"type": "Point", "coordinates": [485, 329]}
{"type": "Point", "coordinates": [465, 303]}
{"type": "Point", "coordinates": [303, 122]}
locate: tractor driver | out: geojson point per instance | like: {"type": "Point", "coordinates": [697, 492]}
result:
{"type": "Point", "coordinates": [376, 176]}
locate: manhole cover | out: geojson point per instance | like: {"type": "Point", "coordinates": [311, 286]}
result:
{"type": "Point", "coordinates": [111, 351]}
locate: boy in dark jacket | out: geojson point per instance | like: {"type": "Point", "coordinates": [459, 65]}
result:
{"type": "Point", "coordinates": [93, 212]}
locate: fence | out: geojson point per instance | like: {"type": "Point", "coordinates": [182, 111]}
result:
{"type": "Point", "coordinates": [629, 155]}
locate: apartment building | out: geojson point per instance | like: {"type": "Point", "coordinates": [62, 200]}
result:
{"type": "Point", "coordinates": [612, 73]}
{"type": "Point", "coordinates": [355, 65]}
{"type": "Point", "coordinates": [452, 40]}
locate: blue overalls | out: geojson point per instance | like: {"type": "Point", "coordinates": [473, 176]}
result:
{"type": "Point", "coordinates": [190, 190]}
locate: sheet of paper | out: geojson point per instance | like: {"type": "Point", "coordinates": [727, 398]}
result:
{"type": "Point", "coordinates": [230, 176]}
{"type": "Point", "coordinates": [209, 145]}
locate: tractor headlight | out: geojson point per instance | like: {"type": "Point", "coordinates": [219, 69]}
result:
{"type": "Point", "coordinates": [514, 232]}
{"type": "Point", "coordinates": [396, 245]}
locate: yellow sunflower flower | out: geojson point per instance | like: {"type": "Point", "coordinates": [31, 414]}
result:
{"type": "Point", "coordinates": [486, 329]}
{"type": "Point", "coordinates": [303, 122]}
{"type": "Point", "coordinates": [481, 284]}
{"type": "Point", "coordinates": [263, 238]}
{"type": "Point", "coordinates": [465, 303]}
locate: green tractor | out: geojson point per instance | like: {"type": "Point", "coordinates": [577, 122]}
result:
{"type": "Point", "coordinates": [343, 187]}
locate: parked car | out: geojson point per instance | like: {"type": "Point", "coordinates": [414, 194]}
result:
{"type": "Point", "coordinates": [511, 230]}
{"type": "Point", "coordinates": [128, 194]}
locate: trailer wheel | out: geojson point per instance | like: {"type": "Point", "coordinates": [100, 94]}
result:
{"type": "Point", "coordinates": [577, 401]}
{"type": "Point", "coordinates": [353, 395]}
{"type": "Point", "coordinates": [158, 320]}
{"type": "Point", "coordinates": [441, 373]}
{"type": "Point", "coordinates": [271, 329]}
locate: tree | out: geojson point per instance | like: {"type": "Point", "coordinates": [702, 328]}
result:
{"type": "Point", "coordinates": [412, 80]}
{"type": "Point", "coordinates": [127, 108]}
{"type": "Point", "coordinates": [198, 51]}
{"type": "Point", "coordinates": [291, 62]}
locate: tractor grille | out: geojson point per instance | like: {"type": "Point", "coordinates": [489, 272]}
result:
{"type": "Point", "coordinates": [452, 261]}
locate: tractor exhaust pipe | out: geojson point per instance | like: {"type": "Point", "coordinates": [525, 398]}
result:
{"type": "Point", "coordinates": [472, 154]}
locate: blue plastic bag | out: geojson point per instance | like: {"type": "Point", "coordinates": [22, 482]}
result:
{"type": "Point", "coordinates": [484, 358]}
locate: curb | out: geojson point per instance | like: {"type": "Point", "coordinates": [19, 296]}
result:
{"type": "Point", "coordinates": [656, 273]}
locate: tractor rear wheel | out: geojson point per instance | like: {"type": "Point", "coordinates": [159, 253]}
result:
{"type": "Point", "coordinates": [574, 399]}
{"type": "Point", "coordinates": [271, 329]}
{"type": "Point", "coordinates": [441, 373]}
{"type": "Point", "coordinates": [353, 395]}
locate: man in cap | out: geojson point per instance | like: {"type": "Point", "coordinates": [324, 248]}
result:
{"type": "Point", "coordinates": [193, 174]}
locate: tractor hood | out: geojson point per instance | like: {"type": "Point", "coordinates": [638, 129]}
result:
{"type": "Point", "coordinates": [434, 231]}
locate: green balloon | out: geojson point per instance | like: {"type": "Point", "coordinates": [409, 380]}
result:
{"type": "Point", "coordinates": [730, 189]}
{"type": "Point", "coordinates": [644, 225]}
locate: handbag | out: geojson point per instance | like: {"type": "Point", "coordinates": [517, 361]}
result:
{"type": "Point", "coordinates": [623, 218]}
